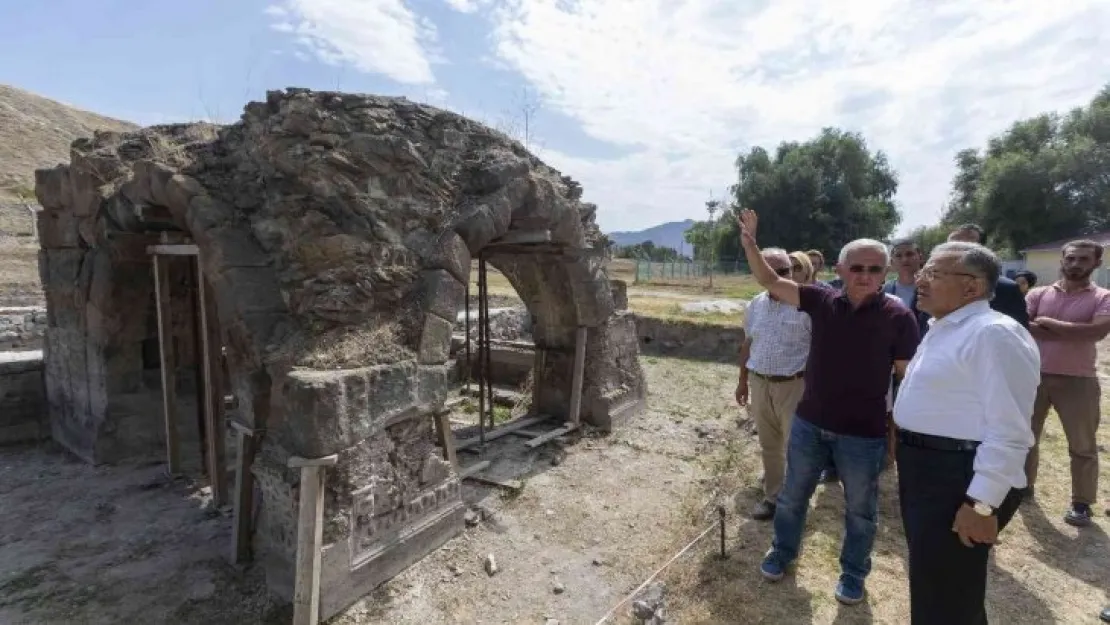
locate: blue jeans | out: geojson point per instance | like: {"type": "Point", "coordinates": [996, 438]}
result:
{"type": "Point", "coordinates": [858, 461]}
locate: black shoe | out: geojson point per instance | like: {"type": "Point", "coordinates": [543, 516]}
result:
{"type": "Point", "coordinates": [829, 476]}
{"type": "Point", "coordinates": [1078, 515]}
{"type": "Point", "coordinates": [764, 511]}
{"type": "Point", "coordinates": [1104, 616]}
{"type": "Point", "coordinates": [1027, 493]}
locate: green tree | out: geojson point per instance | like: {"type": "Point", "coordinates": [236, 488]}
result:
{"type": "Point", "coordinates": [648, 251]}
{"type": "Point", "coordinates": [1044, 178]}
{"type": "Point", "coordinates": [818, 194]}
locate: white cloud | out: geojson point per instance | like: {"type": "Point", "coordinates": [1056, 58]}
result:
{"type": "Point", "coordinates": [375, 36]}
{"type": "Point", "coordinates": [685, 85]}
{"type": "Point", "coordinates": [463, 6]}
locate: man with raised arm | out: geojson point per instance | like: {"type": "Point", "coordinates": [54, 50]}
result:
{"type": "Point", "coordinates": [859, 335]}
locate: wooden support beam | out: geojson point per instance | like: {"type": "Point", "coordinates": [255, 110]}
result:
{"type": "Point", "coordinates": [244, 494]}
{"type": "Point", "coordinates": [513, 485]}
{"type": "Point", "coordinates": [522, 237]}
{"type": "Point", "coordinates": [310, 536]}
{"type": "Point", "coordinates": [168, 362]}
{"type": "Point", "coordinates": [446, 437]}
{"type": "Point", "coordinates": [504, 430]}
{"type": "Point", "coordinates": [578, 375]}
{"type": "Point", "coordinates": [466, 472]}
{"type": "Point", "coordinates": [212, 388]}
{"type": "Point", "coordinates": [173, 249]}
{"type": "Point", "coordinates": [552, 435]}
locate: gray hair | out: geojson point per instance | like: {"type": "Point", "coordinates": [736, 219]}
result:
{"type": "Point", "coordinates": [865, 244]}
{"type": "Point", "coordinates": [774, 251]}
{"type": "Point", "coordinates": [978, 258]}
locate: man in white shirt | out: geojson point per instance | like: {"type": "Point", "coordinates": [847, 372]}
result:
{"type": "Point", "coordinates": [772, 367]}
{"type": "Point", "coordinates": [964, 417]}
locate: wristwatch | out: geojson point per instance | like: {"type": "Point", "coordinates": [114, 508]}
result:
{"type": "Point", "coordinates": [980, 508]}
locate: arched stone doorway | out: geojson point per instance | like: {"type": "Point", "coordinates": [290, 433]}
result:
{"type": "Point", "coordinates": [337, 232]}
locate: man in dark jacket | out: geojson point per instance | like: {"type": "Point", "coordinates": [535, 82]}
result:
{"type": "Point", "coordinates": [1007, 299]}
{"type": "Point", "coordinates": [906, 259]}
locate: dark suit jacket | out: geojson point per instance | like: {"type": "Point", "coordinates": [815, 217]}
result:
{"type": "Point", "coordinates": [1009, 301]}
{"type": "Point", "coordinates": [921, 316]}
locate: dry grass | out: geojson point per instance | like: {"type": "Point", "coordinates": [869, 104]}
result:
{"type": "Point", "coordinates": [19, 272]}
{"type": "Point", "coordinates": [37, 132]}
{"type": "Point", "coordinates": [359, 346]}
{"type": "Point", "coordinates": [1043, 572]}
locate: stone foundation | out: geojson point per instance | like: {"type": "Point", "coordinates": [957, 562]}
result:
{"type": "Point", "coordinates": [22, 398]}
{"type": "Point", "coordinates": [22, 327]}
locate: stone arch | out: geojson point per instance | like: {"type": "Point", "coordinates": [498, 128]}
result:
{"type": "Point", "coordinates": [337, 231]}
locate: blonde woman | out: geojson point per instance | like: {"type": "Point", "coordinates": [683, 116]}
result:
{"type": "Point", "coordinates": [801, 268]}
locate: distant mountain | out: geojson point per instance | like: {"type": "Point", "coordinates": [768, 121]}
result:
{"type": "Point", "coordinates": [663, 235]}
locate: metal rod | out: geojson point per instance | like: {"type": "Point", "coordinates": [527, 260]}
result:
{"type": "Point", "coordinates": [481, 346]}
{"type": "Point", "coordinates": [721, 513]}
{"type": "Point", "coordinates": [469, 363]}
{"type": "Point", "coordinates": [487, 368]}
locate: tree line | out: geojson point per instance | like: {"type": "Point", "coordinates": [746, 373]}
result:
{"type": "Point", "coordinates": [1044, 178]}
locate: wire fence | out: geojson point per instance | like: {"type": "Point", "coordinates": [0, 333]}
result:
{"type": "Point", "coordinates": [678, 270]}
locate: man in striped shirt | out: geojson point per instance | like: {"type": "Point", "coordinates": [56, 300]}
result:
{"type": "Point", "coordinates": [772, 365]}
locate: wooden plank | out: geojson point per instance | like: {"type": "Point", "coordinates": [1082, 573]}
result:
{"type": "Point", "coordinates": [539, 364]}
{"type": "Point", "coordinates": [168, 362]}
{"type": "Point", "coordinates": [244, 495]}
{"type": "Point", "coordinates": [310, 536]}
{"type": "Point", "coordinates": [446, 438]}
{"type": "Point", "coordinates": [466, 472]}
{"type": "Point", "coordinates": [171, 249]}
{"type": "Point", "coordinates": [212, 393]}
{"type": "Point", "coordinates": [504, 430]}
{"type": "Point", "coordinates": [578, 375]}
{"type": "Point", "coordinates": [525, 237]}
{"type": "Point", "coordinates": [514, 485]}
{"type": "Point", "coordinates": [528, 433]}
{"type": "Point", "coordinates": [552, 435]}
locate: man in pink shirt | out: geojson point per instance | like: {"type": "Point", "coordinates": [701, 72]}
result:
{"type": "Point", "coordinates": [1068, 318]}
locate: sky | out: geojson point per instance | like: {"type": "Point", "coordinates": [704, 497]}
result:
{"type": "Point", "coordinates": [646, 102]}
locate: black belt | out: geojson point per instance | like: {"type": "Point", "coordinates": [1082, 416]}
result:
{"type": "Point", "coordinates": [778, 378]}
{"type": "Point", "coordinates": [936, 443]}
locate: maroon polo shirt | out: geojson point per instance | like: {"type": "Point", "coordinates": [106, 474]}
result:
{"type": "Point", "coordinates": [850, 359]}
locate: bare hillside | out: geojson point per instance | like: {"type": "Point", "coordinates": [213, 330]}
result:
{"type": "Point", "coordinates": [36, 132]}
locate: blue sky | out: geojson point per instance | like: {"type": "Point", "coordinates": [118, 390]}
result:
{"type": "Point", "coordinates": [646, 102]}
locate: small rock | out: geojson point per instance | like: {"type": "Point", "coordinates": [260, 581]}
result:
{"type": "Point", "coordinates": [455, 570]}
{"type": "Point", "coordinates": [559, 588]}
{"type": "Point", "coordinates": [597, 562]}
{"type": "Point", "coordinates": [551, 621]}
{"type": "Point", "coordinates": [557, 459]}
{"type": "Point", "coordinates": [471, 518]}
{"type": "Point", "coordinates": [491, 565]}
{"type": "Point", "coordinates": [642, 610]}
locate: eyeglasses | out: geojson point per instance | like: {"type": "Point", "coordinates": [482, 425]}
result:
{"type": "Point", "coordinates": [783, 271]}
{"type": "Point", "coordinates": [795, 267]}
{"type": "Point", "coordinates": [871, 269]}
{"type": "Point", "coordinates": [930, 274]}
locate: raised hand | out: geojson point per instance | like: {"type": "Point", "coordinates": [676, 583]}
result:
{"type": "Point", "coordinates": [748, 221]}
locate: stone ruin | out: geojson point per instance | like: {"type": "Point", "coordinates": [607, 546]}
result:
{"type": "Point", "coordinates": [336, 234]}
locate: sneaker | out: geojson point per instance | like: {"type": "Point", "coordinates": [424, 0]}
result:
{"type": "Point", "coordinates": [829, 476]}
{"type": "Point", "coordinates": [764, 511]}
{"type": "Point", "coordinates": [1078, 515]}
{"type": "Point", "coordinates": [772, 568]}
{"type": "Point", "coordinates": [849, 590]}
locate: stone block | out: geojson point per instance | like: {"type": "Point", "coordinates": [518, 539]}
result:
{"type": "Point", "coordinates": [619, 289]}
{"type": "Point", "coordinates": [22, 397]}
{"type": "Point", "coordinates": [435, 339]}
{"type": "Point", "coordinates": [432, 384]}
{"type": "Point", "coordinates": [52, 187]}
{"type": "Point", "coordinates": [327, 411]}
{"type": "Point", "coordinates": [477, 228]}
{"type": "Point", "coordinates": [440, 293]}
{"type": "Point", "coordinates": [58, 229]}
{"type": "Point", "coordinates": [226, 247]}
{"type": "Point", "coordinates": [245, 290]}
{"type": "Point", "coordinates": [179, 190]}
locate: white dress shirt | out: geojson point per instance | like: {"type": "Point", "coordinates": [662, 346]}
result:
{"type": "Point", "coordinates": [780, 336]}
{"type": "Point", "coordinates": [974, 377]}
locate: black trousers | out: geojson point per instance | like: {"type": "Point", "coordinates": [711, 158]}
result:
{"type": "Point", "coordinates": [948, 581]}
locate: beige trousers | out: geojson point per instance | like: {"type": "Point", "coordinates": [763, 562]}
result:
{"type": "Point", "coordinates": [1076, 400]}
{"type": "Point", "coordinates": [772, 405]}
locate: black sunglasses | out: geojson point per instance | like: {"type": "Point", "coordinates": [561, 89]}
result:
{"type": "Point", "coordinates": [871, 269]}
{"type": "Point", "coordinates": [783, 271]}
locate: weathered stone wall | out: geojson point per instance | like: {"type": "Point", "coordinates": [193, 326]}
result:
{"type": "Point", "coordinates": [22, 398]}
{"type": "Point", "coordinates": [337, 232]}
{"type": "Point", "coordinates": [22, 327]}
{"type": "Point", "coordinates": [689, 339]}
